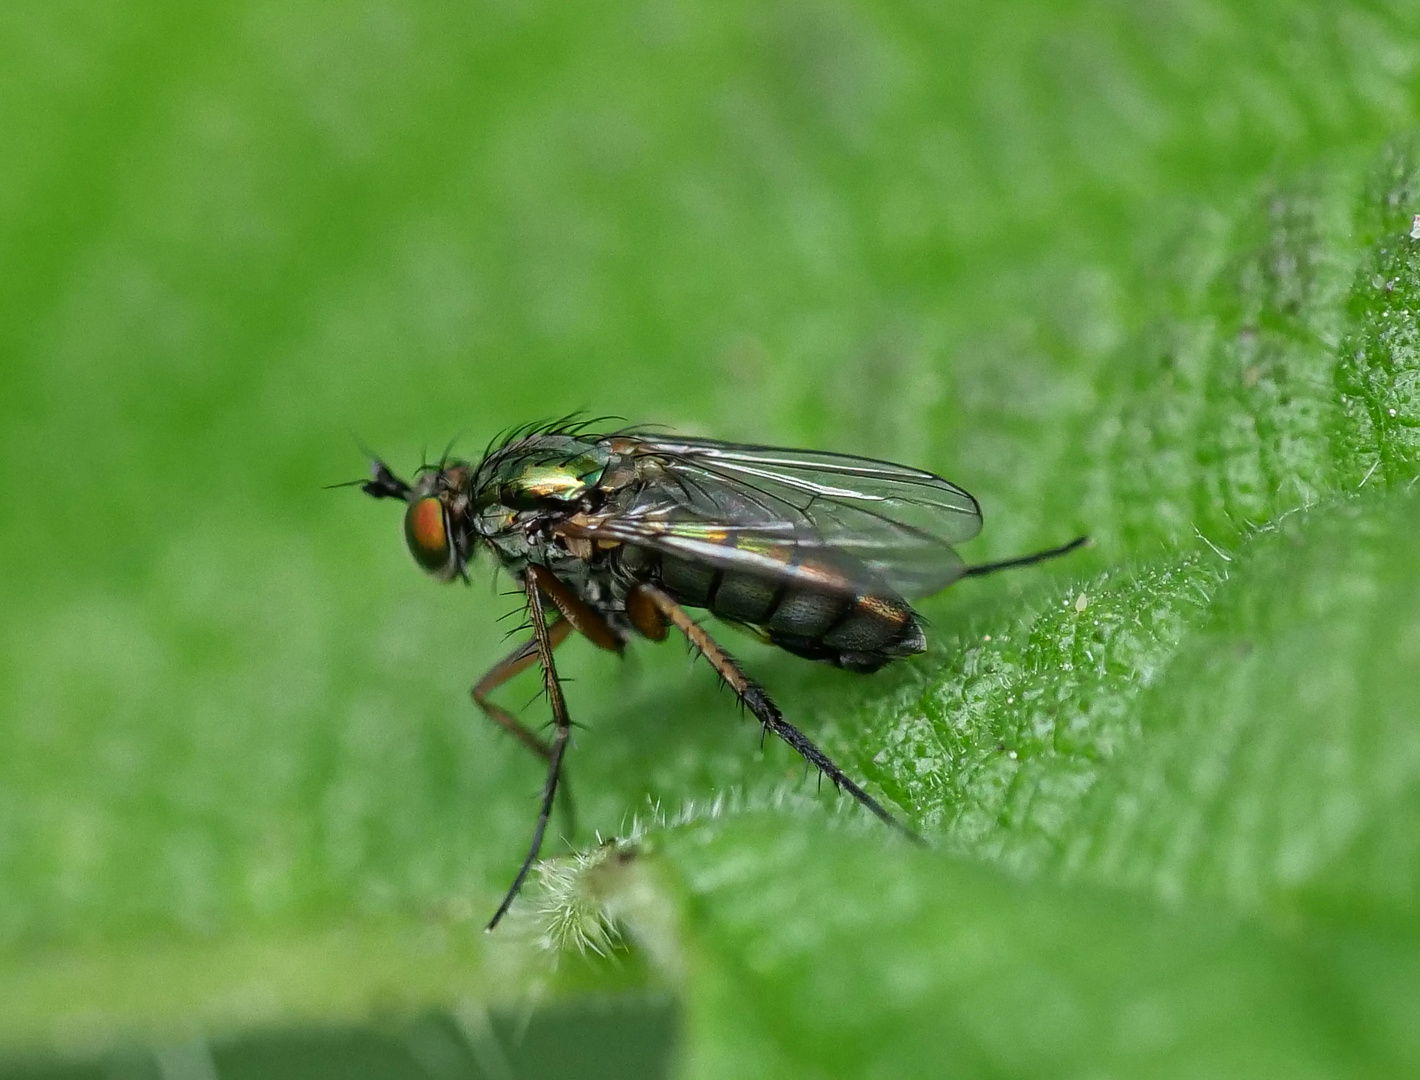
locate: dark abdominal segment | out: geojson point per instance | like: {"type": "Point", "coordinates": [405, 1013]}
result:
{"type": "Point", "coordinates": [859, 633]}
{"type": "Point", "coordinates": [865, 633]}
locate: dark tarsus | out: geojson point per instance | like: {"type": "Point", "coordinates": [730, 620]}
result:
{"type": "Point", "coordinates": [982, 569]}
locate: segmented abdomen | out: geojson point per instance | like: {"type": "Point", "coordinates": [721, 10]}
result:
{"type": "Point", "coordinates": [861, 633]}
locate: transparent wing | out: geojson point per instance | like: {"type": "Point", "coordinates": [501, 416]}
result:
{"type": "Point", "coordinates": [828, 520]}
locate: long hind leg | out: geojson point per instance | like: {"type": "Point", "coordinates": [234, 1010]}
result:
{"type": "Point", "coordinates": [758, 702]}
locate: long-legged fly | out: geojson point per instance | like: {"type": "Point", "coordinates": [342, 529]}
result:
{"type": "Point", "coordinates": [817, 553]}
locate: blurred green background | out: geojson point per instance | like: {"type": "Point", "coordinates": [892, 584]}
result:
{"type": "Point", "coordinates": [1142, 270]}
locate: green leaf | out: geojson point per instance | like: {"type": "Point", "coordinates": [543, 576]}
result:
{"type": "Point", "coordinates": [818, 957]}
{"type": "Point", "coordinates": [1143, 272]}
{"type": "Point", "coordinates": [1229, 888]}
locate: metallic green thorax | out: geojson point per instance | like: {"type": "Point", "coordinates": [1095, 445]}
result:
{"type": "Point", "coordinates": [555, 467]}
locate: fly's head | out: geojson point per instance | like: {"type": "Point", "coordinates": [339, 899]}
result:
{"type": "Point", "coordinates": [434, 519]}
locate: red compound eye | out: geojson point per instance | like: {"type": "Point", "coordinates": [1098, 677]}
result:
{"type": "Point", "coordinates": [427, 534]}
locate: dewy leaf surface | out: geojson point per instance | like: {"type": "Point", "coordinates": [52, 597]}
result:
{"type": "Point", "coordinates": [1143, 271]}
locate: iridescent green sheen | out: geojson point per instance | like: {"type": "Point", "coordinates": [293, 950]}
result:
{"type": "Point", "coordinates": [555, 467]}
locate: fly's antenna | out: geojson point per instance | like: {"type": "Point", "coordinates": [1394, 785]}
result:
{"type": "Point", "coordinates": [983, 569]}
{"type": "Point", "coordinates": [365, 451]}
{"type": "Point", "coordinates": [383, 484]}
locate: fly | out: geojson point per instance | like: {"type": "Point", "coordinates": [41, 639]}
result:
{"type": "Point", "coordinates": [615, 536]}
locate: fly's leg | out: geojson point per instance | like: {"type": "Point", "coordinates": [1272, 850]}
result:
{"type": "Point", "coordinates": [576, 615]}
{"type": "Point", "coordinates": [982, 569]}
{"type": "Point", "coordinates": [582, 617]}
{"type": "Point", "coordinates": [543, 644]}
{"type": "Point", "coordinates": [754, 697]}
{"type": "Point", "coordinates": [515, 663]}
